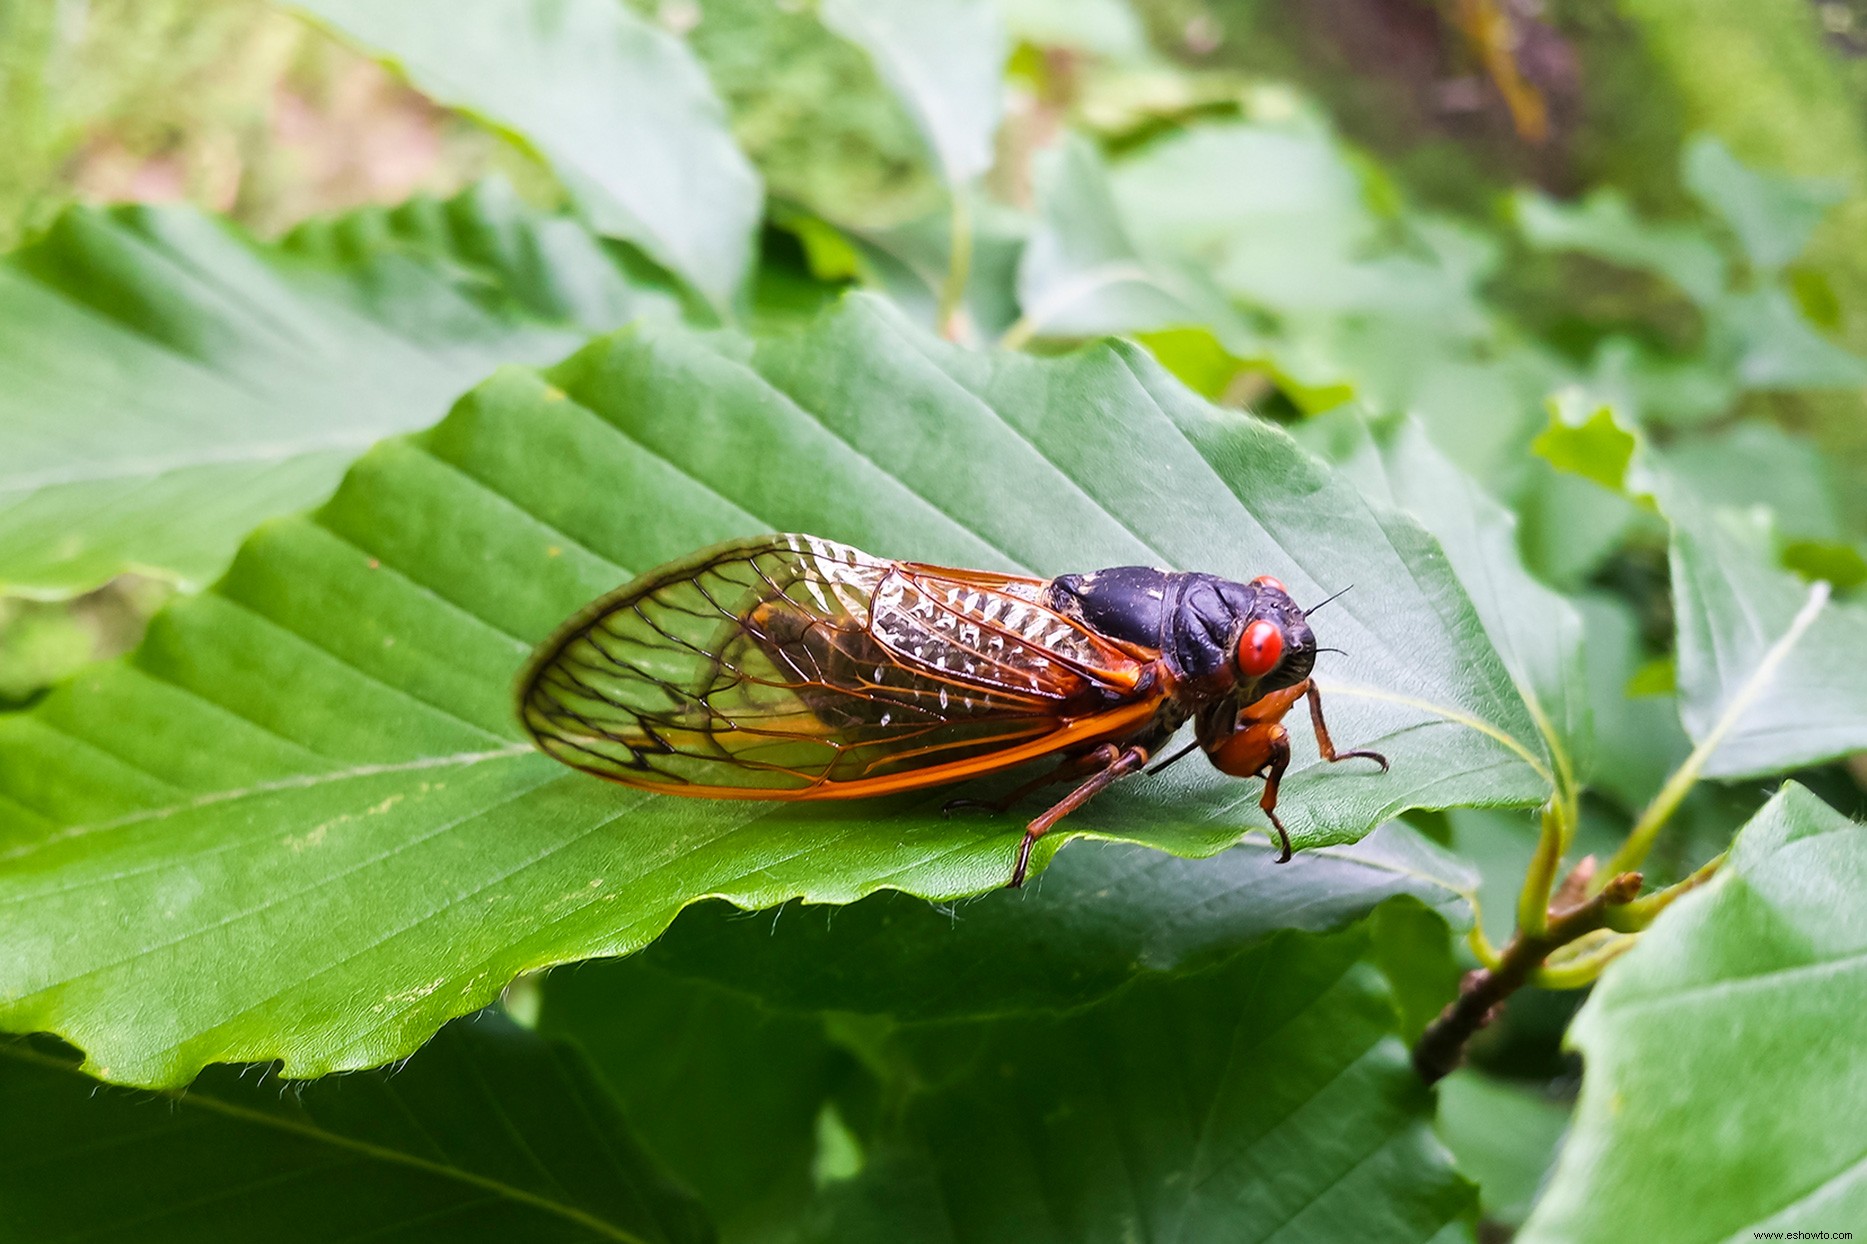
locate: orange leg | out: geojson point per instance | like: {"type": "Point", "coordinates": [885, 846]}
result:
{"type": "Point", "coordinates": [1260, 747]}
{"type": "Point", "coordinates": [1116, 762]}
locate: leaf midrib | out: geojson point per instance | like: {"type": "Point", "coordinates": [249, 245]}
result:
{"type": "Point", "coordinates": [295, 782]}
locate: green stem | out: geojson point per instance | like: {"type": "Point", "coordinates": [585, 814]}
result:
{"type": "Point", "coordinates": [1442, 1045]}
{"type": "Point", "coordinates": [1481, 947]}
{"type": "Point", "coordinates": [1640, 838]}
{"type": "Point", "coordinates": [1583, 969]}
{"type": "Point", "coordinates": [1019, 334]}
{"type": "Point", "coordinates": [1642, 912]}
{"type": "Point", "coordinates": [1539, 881]}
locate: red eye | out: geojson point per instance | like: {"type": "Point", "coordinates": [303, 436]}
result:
{"type": "Point", "coordinates": [1265, 580]}
{"type": "Point", "coordinates": [1259, 648]}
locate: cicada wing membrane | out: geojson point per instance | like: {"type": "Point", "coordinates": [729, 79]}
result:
{"type": "Point", "coordinates": [793, 667]}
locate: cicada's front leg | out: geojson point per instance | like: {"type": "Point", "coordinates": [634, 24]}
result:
{"type": "Point", "coordinates": [1259, 746]}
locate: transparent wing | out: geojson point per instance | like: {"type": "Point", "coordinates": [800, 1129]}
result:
{"type": "Point", "coordinates": [792, 667]}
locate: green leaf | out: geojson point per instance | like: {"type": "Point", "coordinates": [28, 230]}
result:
{"type": "Point", "coordinates": [1773, 216]}
{"type": "Point", "coordinates": [726, 1094]}
{"type": "Point", "coordinates": [1266, 1098]}
{"type": "Point", "coordinates": [1590, 443]}
{"type": "Point", "coordinates": [908, 262]}
{"type": "Point", "coordinates": [490, 1134]}
{"type": "Point", "coordinates": [1504, 1135]}
{"type": "Point", "coordinates": [1104, 914]}
{"type": "Point", "coordinates": [305, 795]}
{"type": "Point", "coordinates": [1773, 346]}
{"type": "Point", "coordinates": [1638, 739]}
{"type": "Point", "coordinates": [1082, 275]}
{"type": "Point", "coordinates": [1222, 190]}
{"type": "Point", "coordinates": [1603, 227]}
{"type": "Point", "coordinates": [166, 383]}
{"type": "Point", "coordinates": [1656, 388]}
{"type": "Point", "coordinates": [1281, 219]}
{"type": "Point", "coordinates": [619, 108]}
{"type": "Point", "coordinates": [810, 110]}
{"type": "Point", "coordinates": [946, 62]}
{"type": "Point", "coordinates": [1843, 565]}
{"type": "Point", "coordinates": [1723, 1060]}
{"type": "Point", "coordinates": [1535, 630]}
{"type": "Point", "coordinates": [1412, 946]}
{"type": "Point", "coordinates": [551, 265]}
{"type": "Point", "coordinates": [1770, 675]}
{"type": "Point", "coordinates": [1755, 463]}
{"type": "Point", "coordinates": [1571, 526]}
{"type": "Point", "coordinates": [729, 1085]}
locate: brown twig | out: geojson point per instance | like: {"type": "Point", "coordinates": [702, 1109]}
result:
{"type": "Point", "coordinates": [1442, 1046]}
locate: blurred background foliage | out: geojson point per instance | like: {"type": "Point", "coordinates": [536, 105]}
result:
{"type": "Point", "coordinates": [1497, 215]}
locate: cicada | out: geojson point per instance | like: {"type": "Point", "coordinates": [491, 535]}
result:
{"type": "Point", "coordinates": [792, 667]}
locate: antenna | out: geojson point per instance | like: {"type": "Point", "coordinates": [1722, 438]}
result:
{"type": "Point", "coordinates": [1326, 600]}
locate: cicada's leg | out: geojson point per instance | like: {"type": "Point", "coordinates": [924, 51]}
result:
{"type": "Point", "coordinates": [1116, 762]}
{"type": "Point", "coordinates": [1258, 749]}
{"type": "Point", "coordinates": [1325, 744]}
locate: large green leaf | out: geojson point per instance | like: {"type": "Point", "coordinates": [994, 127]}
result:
{"type": "Point", "coordinates": [1536, 631]}
{"type": "Point", "coordinates": [908, 262]}
{"type": "Point", "coordinates": [1104, 913]}
{"type": "Point", "coordinates": [1771, 215]}
{"type": "Point", "coordinates": [1604, 227]}
{"type": "Point", "coordinates": [1266, 1098]}
{"type": "Point", "coordinates": [299, 823]}
{"type": "Point", "coordinates": [1638, 738]}
{"type": "Point", "coordinates": [620, 108]}
{"type": "Point", "coordinates": [491, 1134]}
{"type": "Point", "coordinates": [1082, 274]}
{"type": "Point", "coordinates": [1772, 346]}
{"type": "Point", "coordinates": [1770, 674]}
{"type": "Point", "coordinates": [1724, 1067]}
{"type": "Point", "coordinates": [1754, 463]}
{"type": "Point", "coordinates": [717, 1041]}
{"type": "Point", "coordinates": [1504, 1135]}
{"type": "Point", "coordinates": [725, 1092]}
{"type": "Point", "coordinates": [946, 60]}
{"type": "Point", "coordinates": [1214, 191]}
{"type": "Point", "coordinates": [165, 383]}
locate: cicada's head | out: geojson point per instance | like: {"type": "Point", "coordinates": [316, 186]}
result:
{"type": "Point", "coordinates": [1274, 647]}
